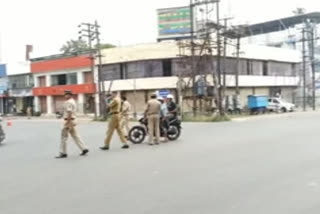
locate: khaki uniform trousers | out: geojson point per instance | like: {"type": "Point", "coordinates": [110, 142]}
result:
{"type": "Point", "coordinates": [114, 124]}
{"type": "Point", "coordinates": [70, 129]}
{"type": "Point", "coordinates": [154, 127]}
{"type": "Point", "coordinates": [125, 125]}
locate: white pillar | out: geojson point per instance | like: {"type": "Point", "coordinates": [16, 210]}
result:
{"type": "Point", "coordinates": [97, 97]}
{"type": "Point", "coordinates": [48, 80]}
{"type": "Point", "coordinates": [80, 77]}
{"type": "Point", "coordinates": [36, 104]}
{"type": "Point", "coordinates": [49, 105]}
{"type": "Point", "coordinates": [36, 81]}
{"type": "Point", "coordinates": [97, 104]}
{"type": "Point", "coordinates": [81, 102]}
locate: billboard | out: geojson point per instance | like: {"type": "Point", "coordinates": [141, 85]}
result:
{"type": "Point", "coordinates": [174, 22]}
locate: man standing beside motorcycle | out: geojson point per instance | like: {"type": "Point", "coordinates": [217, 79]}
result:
{"type": "Point", "coordinates": [152, 113]}
{"type": "Point", "coordinates": [163, 118]}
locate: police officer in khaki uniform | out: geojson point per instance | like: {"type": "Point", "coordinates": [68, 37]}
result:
{"type": "Point", "coordinates": [69, 127]}
{"type": "Point", "coordinates": [153, 115]}
{"type": "Point", "coordinates": [114, 123]}
{"type": "Point", "coordinates": [125, 111]}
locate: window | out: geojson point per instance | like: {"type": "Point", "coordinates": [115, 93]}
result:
{"type": "Point", "coordinates": [58, 80]}
{"type": "Point", "coordinates": [72, 79]}
{"type": "Point", "coordinates": [265, 68]}
{"type": "Point", "coordinates": [88, 77]}
{"type": "Point", "coordinates": [42, 81]}
{"type": "Point", "coordinates": [167, 68]}
{"type": "Point", "coordinates": [249, 67]}
{"type": "Point", "coordinates": [64, 79]}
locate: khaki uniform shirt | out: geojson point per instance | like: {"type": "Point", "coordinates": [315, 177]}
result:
{"type": "Point", "coordinates": [114, 106]}
{"type": "Point", "coordinates": [126, 108]}
{"type": "Point", "coordinates": [153, 107]}
{"type": "Point", "coordinates": [69, 106]}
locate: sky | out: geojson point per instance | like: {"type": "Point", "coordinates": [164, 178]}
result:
{"type": "Point", "coordinates": [48, 24]}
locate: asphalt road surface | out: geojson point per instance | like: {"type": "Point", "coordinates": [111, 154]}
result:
{"type": "Point", "coordinates": [265, 166]}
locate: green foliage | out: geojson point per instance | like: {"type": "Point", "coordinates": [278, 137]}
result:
{"type": "Point", "coordinates": [77, 46]}
{"type": "Point", "coordinates": [74, 46]}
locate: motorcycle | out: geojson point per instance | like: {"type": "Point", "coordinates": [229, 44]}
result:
{"type": "Point", "coordinates": [137, 134]}
{"type": "Point", "coordinates": [2, 134]}
{"type": "Point", "coordinates": [58, 115]}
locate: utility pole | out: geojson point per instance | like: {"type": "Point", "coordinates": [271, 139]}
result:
{"type": "Point", "coordinates": [220, 106]}
{"type": "Point", "coordinates": [193, 72]}
{"type": "Point", "coordinates": [225, 44]}
{"type": "Point", "coordinates": [89, 35]}
{"type": "Point", "coordinates": [313, 71]}
{"type": "Point", "coordinates": [100, 82]}
{"type": "Point", "coordinates": [93, 33]}
{"type": "Point", "coordinates": [304, 67]}
{"type": "Point", "coordinates": [238, 64]}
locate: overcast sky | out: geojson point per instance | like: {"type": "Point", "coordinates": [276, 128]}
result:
{"type": "Point", "coordinates": [47, 24]}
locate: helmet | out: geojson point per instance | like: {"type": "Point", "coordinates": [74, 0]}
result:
{"type": "Point", "coordinates": [160, 98]}
{"type": "Point", "coordinates": [170, 96]}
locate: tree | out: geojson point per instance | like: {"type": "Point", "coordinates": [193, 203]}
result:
{"type": "Point", "coordinates": [105, 46]}
{"type": "Point", "coordinates": [74, 46]}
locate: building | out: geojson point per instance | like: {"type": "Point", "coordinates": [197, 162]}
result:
{"type": "Point", "coordinates": [55, 74]}
{"type": "Point", "coordinates": [139, 70]}
{"type": "Point", "coordinates": [287, 33]}
{"type": "Point", "coordinates": [4, 109]}
{"type": "Point", "coordinates": [20, 84]}
{"type": "Point", "coordinates": [20, 92]}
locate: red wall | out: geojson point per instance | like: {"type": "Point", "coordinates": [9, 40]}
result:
{"type": "Point", "coordinates": [60, 64]}
{"type": "Point", "coordinates": [59, 90]}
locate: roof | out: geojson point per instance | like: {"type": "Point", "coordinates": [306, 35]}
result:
{"type": "Point", "coordinates": [280, 24]}
{"type": "Point", "coordinates": [59, 56]}
{"type": "Point", "coordinates": [170, 50]}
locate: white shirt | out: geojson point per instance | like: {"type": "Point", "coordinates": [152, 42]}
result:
{"type": "Point", "coordinates": [69, 106]}
{"type": "Point", "coordinates": [126, 108]}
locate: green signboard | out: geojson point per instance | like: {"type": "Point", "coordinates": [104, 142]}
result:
{"type": "Point", "coordinates": [174, 21]}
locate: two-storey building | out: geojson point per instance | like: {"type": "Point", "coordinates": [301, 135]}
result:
{"type": "Point", "coordinates": [55, 74]}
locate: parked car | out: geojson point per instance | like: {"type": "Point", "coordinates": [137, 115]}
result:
{"type": "Point", "coordinates": [280, 105]}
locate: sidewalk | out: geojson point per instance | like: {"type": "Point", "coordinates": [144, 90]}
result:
{"type": "Point", "coordinates": [274, 115]}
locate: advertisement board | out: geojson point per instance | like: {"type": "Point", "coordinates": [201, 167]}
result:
{"type": "Point", "coordinates": [174, 22]}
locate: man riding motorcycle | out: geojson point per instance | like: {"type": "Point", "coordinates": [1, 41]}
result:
{"type": "Point", "coordinates": [172, 106]}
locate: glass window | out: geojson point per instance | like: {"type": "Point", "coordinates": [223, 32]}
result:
{"type": "Point", "coordinates": [72, 79]}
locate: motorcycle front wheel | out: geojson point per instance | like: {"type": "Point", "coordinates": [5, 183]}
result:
{"type": "Point", "coordinates": [173, 133]}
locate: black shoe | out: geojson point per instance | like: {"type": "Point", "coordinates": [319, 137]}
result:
{"type": "Point", "coordinates": [104, 148]}
{"type": "Point", "coordinates": [61, 155]}
{"type": "Point", "coordinates": [84, 152]}
{"type": "Point", "coordinates": [126, 146]}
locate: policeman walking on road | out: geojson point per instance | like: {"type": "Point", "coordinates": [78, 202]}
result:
{"type": "Point", "coordinates": [125, 111]}
{"type": "Point", "coordinates": [152, 113]}
{"type": "Point", "coordinates": [69, 127]}
{"type": "Point", "coordinates": [114, 123]}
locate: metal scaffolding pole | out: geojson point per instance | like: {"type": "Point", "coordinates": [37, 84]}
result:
{"type": "Point", "coordinates": [304, 68]}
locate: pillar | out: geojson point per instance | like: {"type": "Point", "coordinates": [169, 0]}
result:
{"type": "Point", "coordinates": [81, 102]}
{"type": "Point", "coordinates": [36, 104]}
{"type": "Point", "coordinates": [49, 105]}
{"type": "Point", "coordinates": [97, 102]}
{"type": "Point", "coordinates": [48, 80]}
{"type": "Point", "coordinates": [80, 77]}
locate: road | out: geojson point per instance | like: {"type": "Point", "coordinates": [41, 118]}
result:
{"type": "Point", "coordinates": [265, 166]}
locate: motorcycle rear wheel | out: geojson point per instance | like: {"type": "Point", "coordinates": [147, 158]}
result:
{"type": "Point", "coordinates": [137, 134]}
{"type": "Point", "coordinates": [173, 133]}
